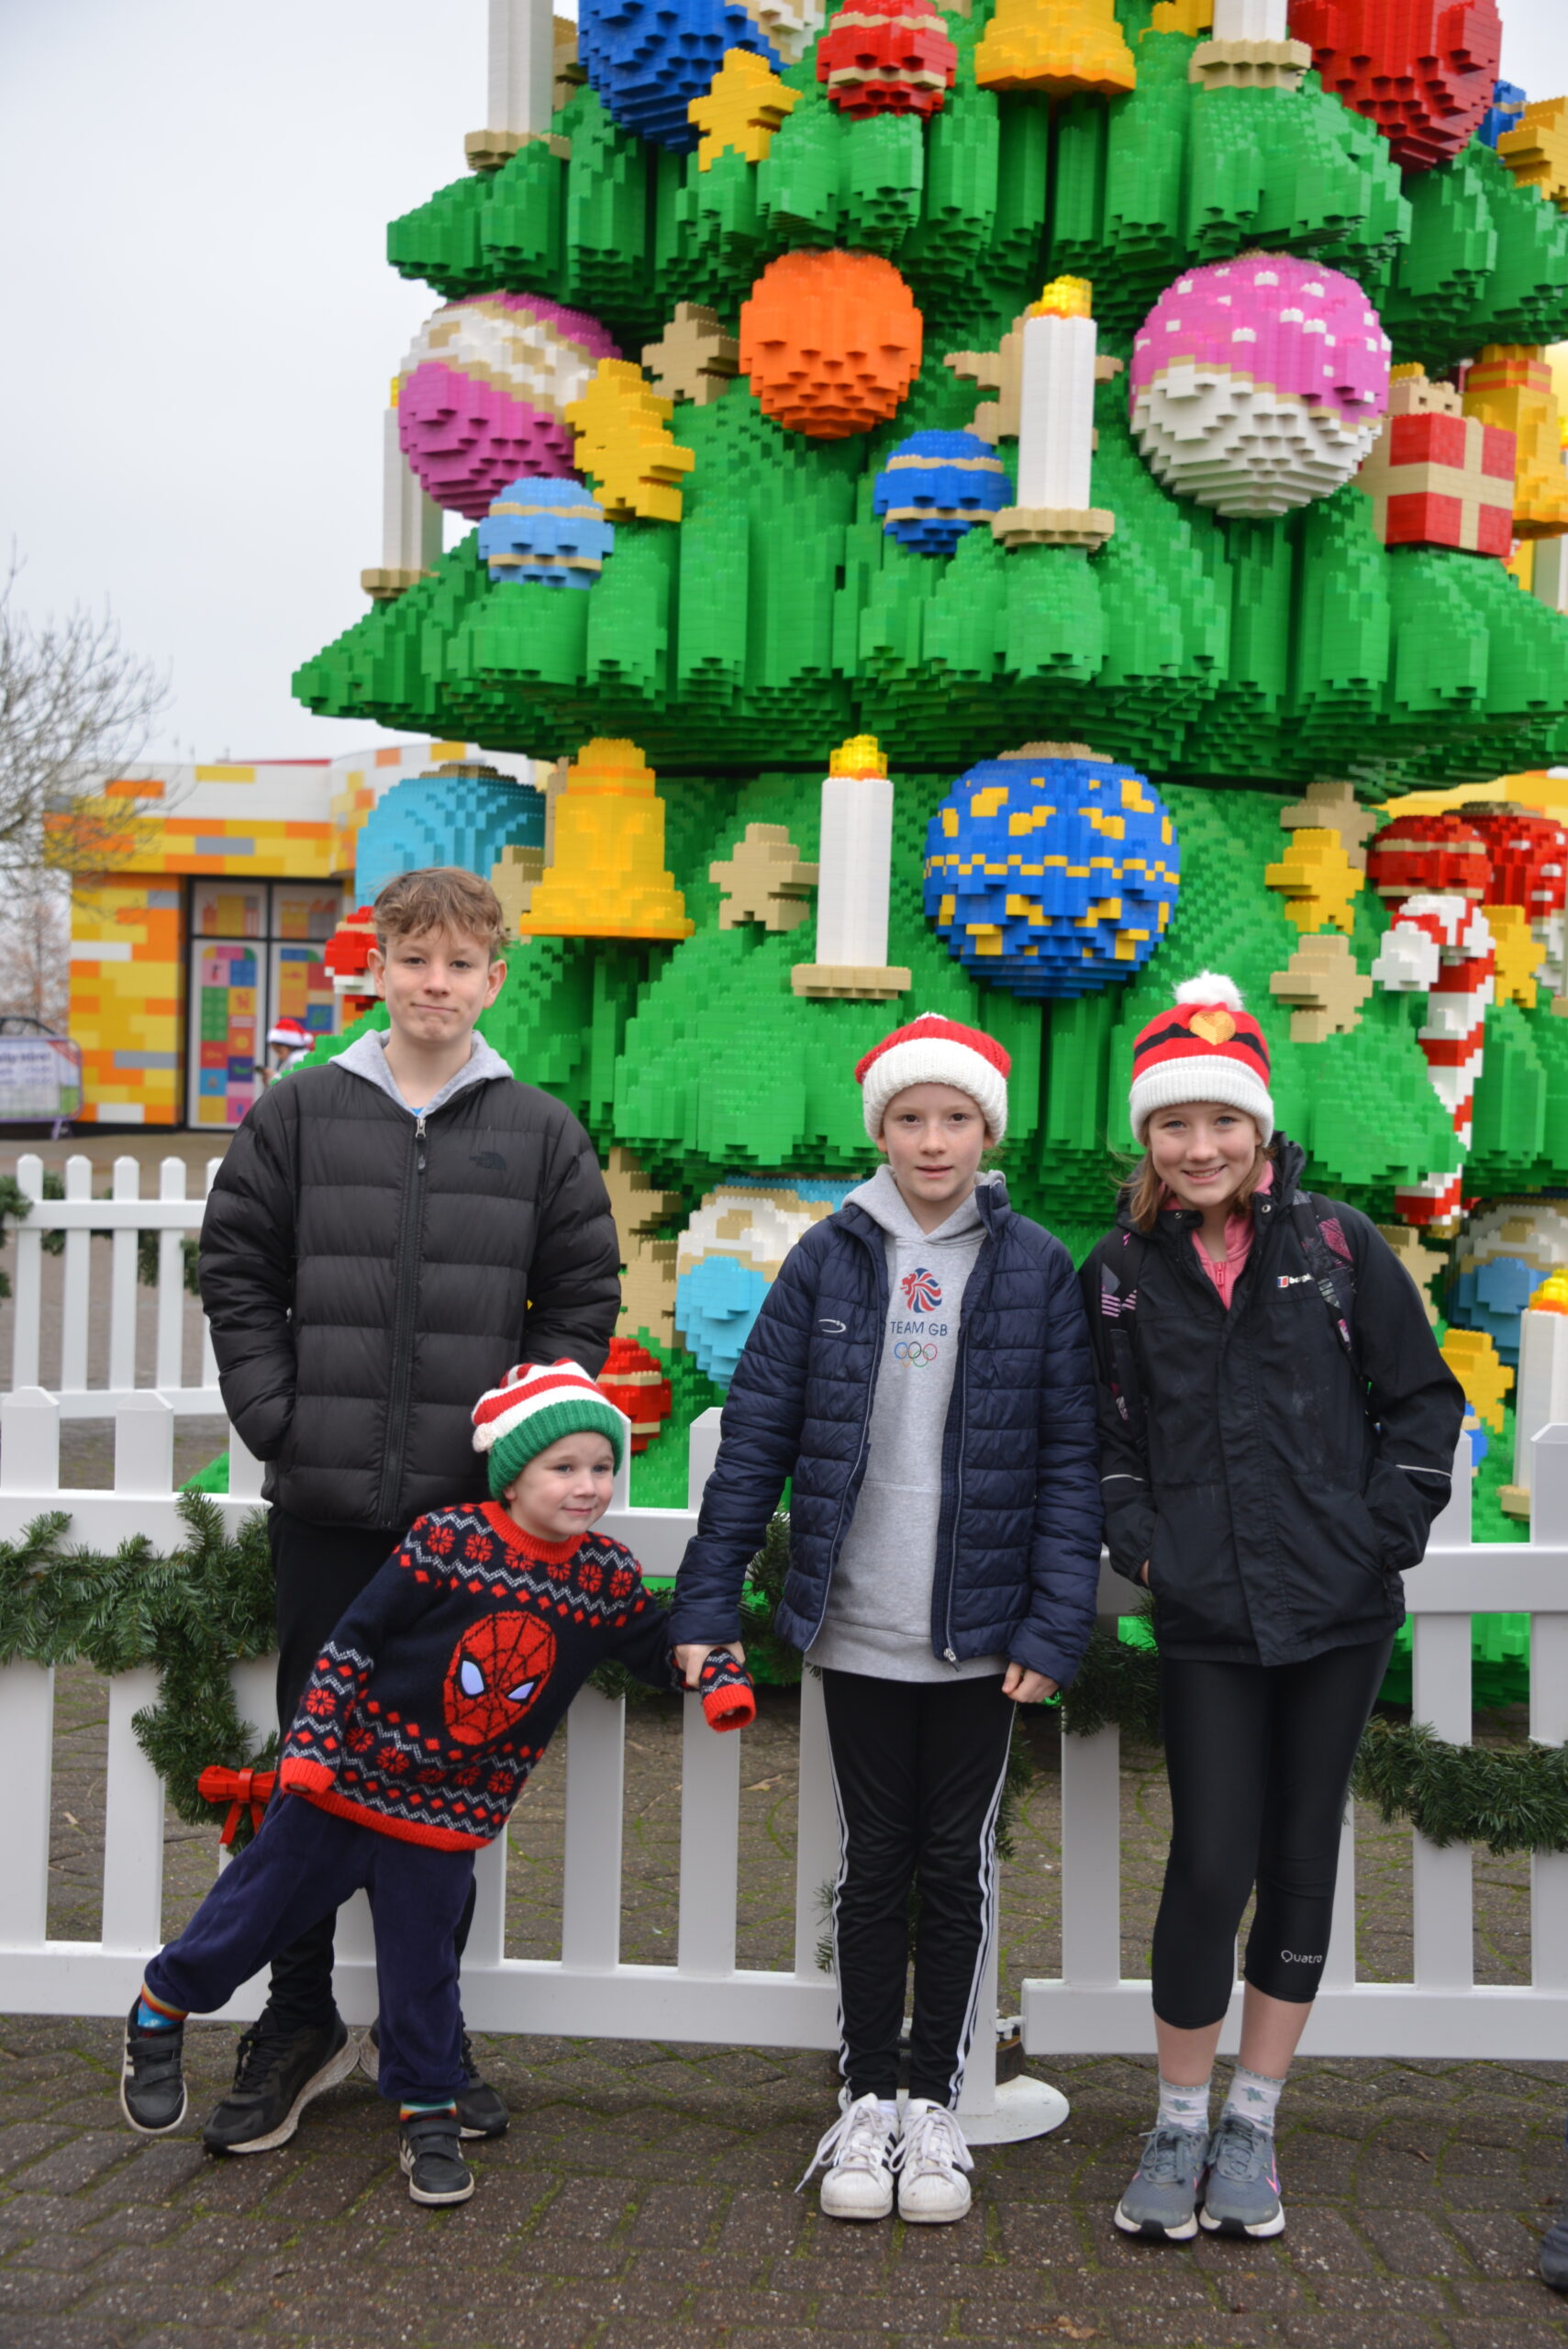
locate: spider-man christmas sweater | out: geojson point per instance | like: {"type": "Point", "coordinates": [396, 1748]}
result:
{"type": "Point", "coordinates": [443, 1683]}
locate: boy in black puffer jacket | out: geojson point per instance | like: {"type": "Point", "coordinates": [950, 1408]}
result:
{"type": "Point", "coordinates": [386, 1235]}
{"type": "Point", "coordinates": [920, 1368]}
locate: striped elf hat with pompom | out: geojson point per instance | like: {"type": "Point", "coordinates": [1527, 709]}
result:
{"type": "Point", "coordinates": [1206, 1048]}
{"type": "Point", "coordinates": [533, 1408]}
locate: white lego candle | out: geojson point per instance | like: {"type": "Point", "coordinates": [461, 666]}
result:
{"type": "Point", "coordinates": [410, 518]}
{"type": "Point", "coordinates": [1251, 21]}
{"type": "Point", "coordinates": [1056, 405]}
{"type": "Point", "coordinates": [855, 858]}
{"type": "Point", "coordinates": [522, 66]}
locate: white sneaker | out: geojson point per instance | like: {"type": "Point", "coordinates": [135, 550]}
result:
{"type": "Point", "coordinates": [929, 2158]}
{"type": "Point", "coordinates": [859, 2152]}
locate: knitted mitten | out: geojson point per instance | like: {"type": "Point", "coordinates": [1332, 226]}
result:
{"type": "Point", "coordinates": [726, 1688]}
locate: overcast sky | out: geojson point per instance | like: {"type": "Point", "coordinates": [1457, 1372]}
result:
{"type": "Point", "coordinates": [192, 205]}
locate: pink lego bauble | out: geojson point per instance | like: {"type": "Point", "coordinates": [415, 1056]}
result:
{"type": "Point", "coordinates": [1258, 384]}
{"type": "Point", "coordinates": [481, 395]}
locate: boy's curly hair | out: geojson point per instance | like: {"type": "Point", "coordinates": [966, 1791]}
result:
{"type": "Point", "coordinates": [445, 897]}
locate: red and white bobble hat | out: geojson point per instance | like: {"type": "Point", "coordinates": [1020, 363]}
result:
{"type": "Point", "coordinates": [1206, 1048]}
{"type": "Point", "coordinates": [533, 1408]}
{"type": "Point", "coordinates": [935, 1050]}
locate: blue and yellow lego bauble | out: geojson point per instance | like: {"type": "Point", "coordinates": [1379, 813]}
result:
{"type": "Point", "coordinates": [1050, 871]}
{"type": "Point", "coordinates": [647, 59]}
{"type": "Point", "coordinates": [937, 485]}
{"type": "Point", "coordinates": [551, 532]}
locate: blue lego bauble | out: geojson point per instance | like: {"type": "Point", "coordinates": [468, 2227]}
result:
{"type": "Point", "coordinates": [550, 533]}
{"type": "Point", "coordinates": [1051, 876]}
{"type": "Point", "coordinates": [457, 816]}
{"type": "Point", "coordinates": [646, 59]}
{"type": "Point", "coordinates": [937, 485]}
{"type": "Point", "coordinates": [1508, 101]}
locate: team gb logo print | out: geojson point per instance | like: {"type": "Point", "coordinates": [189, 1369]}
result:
{"type": "Point", "coordinates": [922, 1291]}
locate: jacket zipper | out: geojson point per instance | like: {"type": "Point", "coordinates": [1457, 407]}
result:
{"type": "Point", "coordinates": [403, 1334]}
{"type": "Point", "coordinates": [949, 1654]}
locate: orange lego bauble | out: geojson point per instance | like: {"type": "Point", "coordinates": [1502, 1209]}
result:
{"type": "Point", "coordinates": [831, 342]}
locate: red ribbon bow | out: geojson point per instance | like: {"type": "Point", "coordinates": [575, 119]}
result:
{"type": "Point", "coordinates": [249, 1790]}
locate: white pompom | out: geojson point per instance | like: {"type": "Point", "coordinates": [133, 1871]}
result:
{"type": "Point", "coordinates": [1211, 987]}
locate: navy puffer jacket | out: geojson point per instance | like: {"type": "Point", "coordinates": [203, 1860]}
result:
{"type": "Point", "coordinates": [1019, 1538]}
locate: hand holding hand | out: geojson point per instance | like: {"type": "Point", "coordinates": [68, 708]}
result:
{"type": "Point", "coordinates": [1025, 1688]}
{"type": "Point", "coordinates": [691, 1657]}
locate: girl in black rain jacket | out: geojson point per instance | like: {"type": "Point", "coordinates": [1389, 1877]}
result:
{"type": "Point", "coordinates": [1277, 1433]}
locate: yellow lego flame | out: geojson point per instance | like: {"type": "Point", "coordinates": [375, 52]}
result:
{"type": "Point", "coordinates": [859, 756]}
{"type": "Point", "coordinates": [1065, 297]}
{"type": "Point", "coordinates": [1551, 1297]}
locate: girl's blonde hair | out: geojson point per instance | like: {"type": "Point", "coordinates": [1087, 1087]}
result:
{"type": "Point", "coordinates": [1144, 1190]}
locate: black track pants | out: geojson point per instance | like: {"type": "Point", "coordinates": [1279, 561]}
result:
{"type": "Point", "coordinates": [317, 1572]}
{"type": "Point", "coordinates": [918, 1772]}
{"type": "Point", "coordinates": [1259, 1759]}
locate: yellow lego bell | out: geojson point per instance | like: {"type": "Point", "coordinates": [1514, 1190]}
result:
{"type": "Point", "coordinates": [1062, 47]}
{"type": "Point", "coordinates": [606, 876]}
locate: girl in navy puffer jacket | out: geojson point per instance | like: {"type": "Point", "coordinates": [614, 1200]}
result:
{"type": "Point", "coordinates": [922, 1370]}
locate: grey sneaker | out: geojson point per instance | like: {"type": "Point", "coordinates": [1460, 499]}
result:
{"type": "Point", "coordinates": [1241, 2195]}
{"type": "Point", "coordinates": [1160, 2204]}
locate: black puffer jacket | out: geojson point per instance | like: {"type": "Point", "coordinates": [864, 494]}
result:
{"type": "Point", "coordinates": [368, 1275]}
{"type": "Point", "coordinates": [1019, 1542]}
{"type": "Point", "coordinates": [1277, 1508]}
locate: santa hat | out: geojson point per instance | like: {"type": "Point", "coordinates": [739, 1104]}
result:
{"type": "Point", "coordinates": [934, 1051]}
{"type": "Point", "coordinates": [533, 1408]}
{"type": "Point", "coordinates": [291, 1031]}
{"type": "Point", "coordinates": [1205, 1049]}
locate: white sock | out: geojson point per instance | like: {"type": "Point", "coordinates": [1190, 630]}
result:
{"type": "Point", "coordinates": [1182, 2108]}
{"type": "Point", "coordinates": [1254, 2097]}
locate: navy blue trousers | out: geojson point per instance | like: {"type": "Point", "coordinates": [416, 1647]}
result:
{"type": "Point", "coordinates": [303, 1864]}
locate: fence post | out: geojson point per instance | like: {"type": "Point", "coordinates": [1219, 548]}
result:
{"type": "Point", "coordinates": [144, 1445]}
{"type": "Point", "coordinates": [710, 1842]}
{"type": "Point", "coordinates": [73, 1290]}
{"type": "Point", "coordinates": [816, 1829]}
{"type": "Point", "coordinates": [29, 1442]}
{"type": "Point", "coordinates": [1548, 1468]}
{"type": "Point", "coordinates": [244, 1469]}
{"type": "Point", "coordinates": [1091, 1858]}
{"type": "Point", "coordinates": [596, 1792]}
{"type": "Point", "coordinates": [1442, 1881]}
{"type": "Point", "coordinates": [27, 1766]}
{"type": "Point", "coordinates": [27, 1290]}
{"type": "Point", "coordinates": [169, 1372]}
{"type": "Point", "coordinates": [122, 1283]}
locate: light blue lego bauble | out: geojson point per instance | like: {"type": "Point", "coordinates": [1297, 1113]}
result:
{"type": "Point", "coordinates": [550, 533]}
{"type": "Point", "coordinates": [937, 485]}
{"type": "Point", "coordinates": [729, 1253]}
{"type": "Point", "coordinates": [648, 59]}
{"type": "Point", "coordinates": [1491, 1296]}
{"type": "Point", "coordinates": [1052, 876]}
{"type": "Point", "coordinates": [462, 816]}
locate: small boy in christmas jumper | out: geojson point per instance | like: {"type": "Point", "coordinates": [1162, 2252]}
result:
{"type": "Point", "coordinates": [425, 1713]}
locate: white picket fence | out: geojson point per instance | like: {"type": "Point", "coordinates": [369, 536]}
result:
{"type": "Point", "coordinates": [703, 1996]}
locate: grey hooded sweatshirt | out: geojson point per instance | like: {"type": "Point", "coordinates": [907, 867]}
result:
{"type": "Point", "coordinates": [879, 1603]}
{"type": "Point", "coordinates": [366, 1057]}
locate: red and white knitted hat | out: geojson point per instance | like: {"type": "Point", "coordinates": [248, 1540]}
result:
{"type": "Point", "coordinates": [533, 1408]}
{"type": "Point", "coordinates": [935, 1050]}
{"type": "Point", "coordinates": [1205, 1049]}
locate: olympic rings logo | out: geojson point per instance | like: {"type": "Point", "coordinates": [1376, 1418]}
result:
{"type": "Point", "coordinates": [912, 1350]}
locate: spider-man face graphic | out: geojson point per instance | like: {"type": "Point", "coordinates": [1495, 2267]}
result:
{"type": "Point", "coordinates": [497, 1669]}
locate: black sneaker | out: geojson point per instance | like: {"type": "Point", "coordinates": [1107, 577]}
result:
{"type": "Point", "coordinates": [1554, 2253]}
{"type": "Point", "coordinates": [429, 2148]}
{"type": "Point", "coordinates": [276, 2075]}
{"type": "Point", "coordinates": [153, 2081]}
{"type": "Point", "coordinates": [479, 2112]}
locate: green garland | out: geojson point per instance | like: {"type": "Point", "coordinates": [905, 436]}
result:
{"type": "Point", "coordinates": [210, 1605]}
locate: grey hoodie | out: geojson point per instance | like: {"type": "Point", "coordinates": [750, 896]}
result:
{"type": "Point", "coordinates": [366, 1057]}
{"type": "Point", "coordinates": [879, 1603]}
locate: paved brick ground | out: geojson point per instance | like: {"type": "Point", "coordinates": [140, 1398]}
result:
{"type": "Point", "coordinates": [643, 2198]}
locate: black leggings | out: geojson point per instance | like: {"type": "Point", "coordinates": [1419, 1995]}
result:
{"type": "Point", "coordinates": [918, 1773]}
{"type": "Point", "coordinates": [1259, 1759]}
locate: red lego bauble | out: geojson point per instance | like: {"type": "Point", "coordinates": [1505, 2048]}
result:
{"type": "Point", "coordinates": [634, 1381]}
{"type": "Point", "coordinates": [1421, 70]}
{"type": "Point", "coordinates": [886, 56]}
{"type": "Point", "coordinates": [497, 1669]}
{"type": "Point", "coordinates": [1429, 856]}
{"type": "Point", "coordinates": [1530, 859]}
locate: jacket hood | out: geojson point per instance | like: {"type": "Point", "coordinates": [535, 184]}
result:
{"type": "Point", "coordinates": [881, 1199]}
{"type": "Point", "coordinates": [366, 1057]}
{"type": "Point", "coordinates": [1289, 1163]}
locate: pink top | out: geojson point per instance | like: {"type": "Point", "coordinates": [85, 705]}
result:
{"type": "Point", "coordinates": [1238, 1231]}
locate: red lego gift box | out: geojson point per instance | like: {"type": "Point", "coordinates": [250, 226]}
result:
{"type": "Point", "coordinates": [1438, 478]}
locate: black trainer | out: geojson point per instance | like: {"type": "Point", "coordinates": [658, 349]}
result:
{"type": "Point", "coordinates": [152, 2079]}
{"type": "Point", "coordinates": [275, 2076]}
{"type": "Point", "coordinates": [429, 2148]}
{"type": "Point", "coordinates": [1554, 2253]}
{"type": "Point", "coordinates": [479, 2111]}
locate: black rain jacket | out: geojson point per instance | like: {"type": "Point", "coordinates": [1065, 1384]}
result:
{"type": "Point", "coordinates": [1019, 1539]}
{"type": "Point", "coordinates": [368, 1275]}
{"type": "Point", "coordinates": [1277, 1497]}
